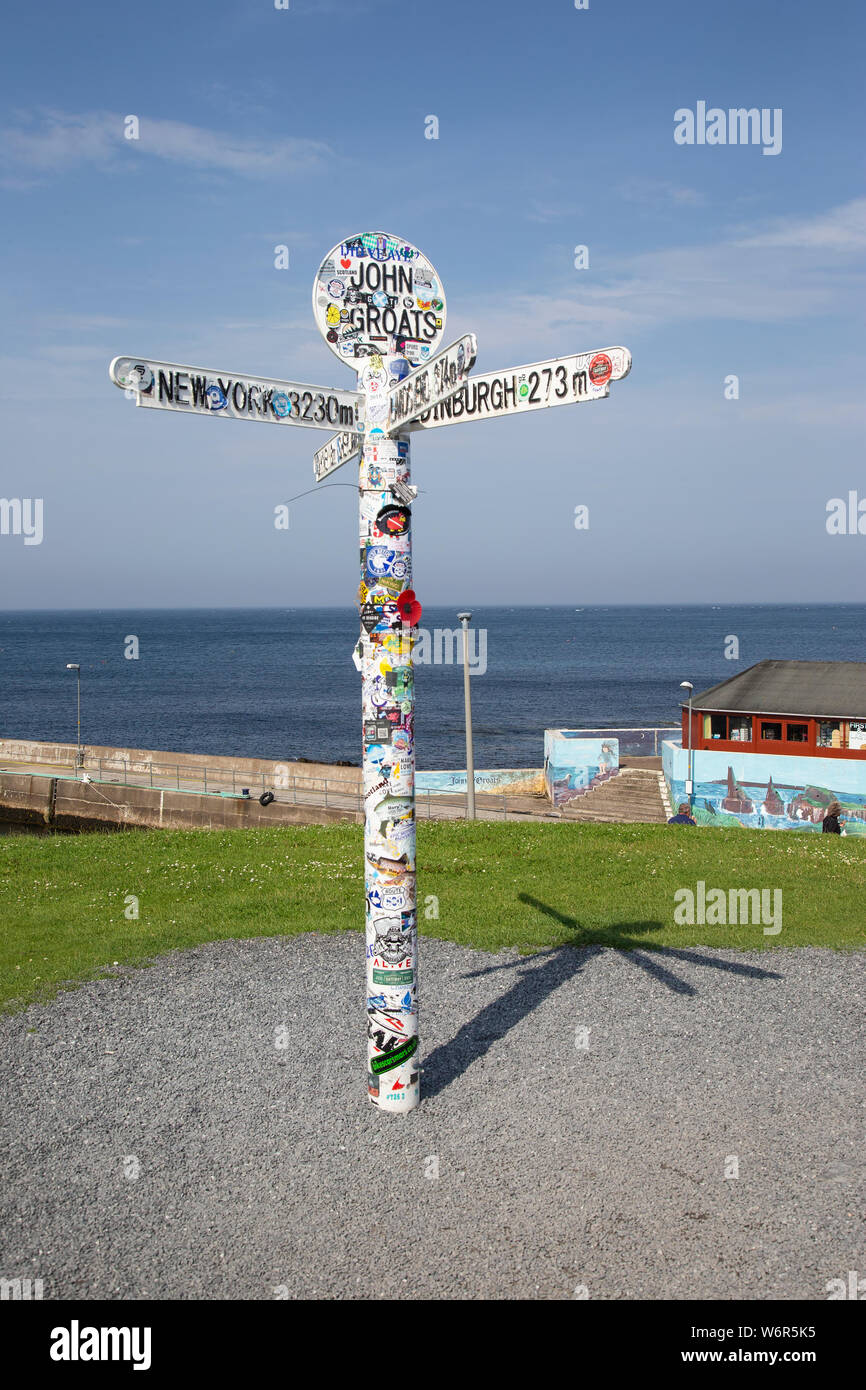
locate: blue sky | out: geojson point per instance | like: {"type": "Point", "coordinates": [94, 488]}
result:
{"type": "Point", "coordinates": [261, 127]}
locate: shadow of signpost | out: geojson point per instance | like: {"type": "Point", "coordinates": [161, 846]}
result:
{"type": "Point", "coordinates": [536, 982]}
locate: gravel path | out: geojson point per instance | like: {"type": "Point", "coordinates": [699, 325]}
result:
{"type": "Point", "coordinates": [563, 1170]}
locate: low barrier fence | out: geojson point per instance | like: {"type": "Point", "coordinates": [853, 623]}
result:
{"type": "Point", "coordinates": [297, 790]}
{"type": "Point", "coordinates": [644, 742]}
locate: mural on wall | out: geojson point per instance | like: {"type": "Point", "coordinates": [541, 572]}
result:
{"type": "Point", "coordinates": [765, 792]}
{"type": "Point", "coordinates": [504, 781]}
{"type": "Point", "coordinates": [574, 766]}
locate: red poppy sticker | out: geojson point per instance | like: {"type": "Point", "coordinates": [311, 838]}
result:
{"type": "Point", "coordinates": [600, 369]}
{"type": "Point", "coordinates": [409, 608]}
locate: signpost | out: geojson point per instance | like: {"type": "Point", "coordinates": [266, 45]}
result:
{"type": "Point", "coordinates": [380, 307]}
{"type": "Point", "coordinates": [560, 381]}
{"type": "Point", "coordinates": [427, 386]}
{"type": "Point", "coordinates": [335, 453]}
{"type": "Point", "coordinates": [203, 391]}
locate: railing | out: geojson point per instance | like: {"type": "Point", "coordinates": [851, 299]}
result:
{"type": "Point", "coordinates": [334, 793]}
{"type": "Point", "coordinates": [640, 742]}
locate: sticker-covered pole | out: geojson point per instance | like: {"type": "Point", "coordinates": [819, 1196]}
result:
{"type": "Point", "coordinates": [388, 711]}
{"type": "Point", "coordinates": [380, 306]}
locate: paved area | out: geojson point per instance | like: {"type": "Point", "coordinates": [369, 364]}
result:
{"type": "Point", "coordinates": [200, 1129]}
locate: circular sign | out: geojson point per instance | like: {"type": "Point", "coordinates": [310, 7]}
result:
{"type": "Point", "coordinates": [600, 369]}
{"type": "Point", "coordinates": [392, 300]}
{"type": "Point", "coordinates": [133, 375]}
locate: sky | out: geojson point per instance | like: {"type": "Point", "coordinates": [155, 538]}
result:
{"type": "Point", "coordinates": [262, 127]}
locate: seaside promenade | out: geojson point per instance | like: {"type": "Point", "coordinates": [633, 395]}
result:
{"type": "Point", "coordinates": [47, 790]}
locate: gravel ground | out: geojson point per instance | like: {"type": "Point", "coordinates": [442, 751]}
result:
{"type": "Point", "coordinates": [563, 1171]}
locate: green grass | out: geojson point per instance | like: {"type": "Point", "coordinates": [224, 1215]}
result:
{"type": "Point", "coordinates": [62, 898]}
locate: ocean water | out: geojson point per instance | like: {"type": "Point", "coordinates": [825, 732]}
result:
{"type": "Point", "coordinates": [279, 682]}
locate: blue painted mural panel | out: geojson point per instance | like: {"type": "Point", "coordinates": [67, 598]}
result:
{"type": "Point", "coordinates": [767, 792]}
{"type": "Point", "coordinates": [573, 766]}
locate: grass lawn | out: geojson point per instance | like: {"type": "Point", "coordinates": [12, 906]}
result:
{"type": "Point", "coordinates": [63, 898]}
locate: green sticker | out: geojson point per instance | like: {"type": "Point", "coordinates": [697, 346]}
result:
{"type": "Point", "coordinates": [389, 1060]}
{"type": "Point", "coordinates": [393, 977]}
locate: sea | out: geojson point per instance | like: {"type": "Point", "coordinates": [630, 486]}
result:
{"type": "Point", "coordinates": [279, 683]}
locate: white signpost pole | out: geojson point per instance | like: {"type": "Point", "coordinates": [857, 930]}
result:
{"type": "Point", "coordinates": [388, 716]}
{"type": "Point", "coordinates": [380, 307]}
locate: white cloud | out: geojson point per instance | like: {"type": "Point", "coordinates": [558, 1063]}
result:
{"type": "Point", "coordinates": [841, 229]}
{"type": "Point", "coordinates": [659, 193]}
{"type": "Point", "coordinates": [792, 271]}
{"type": "Point", "coordinates": [54, 141]}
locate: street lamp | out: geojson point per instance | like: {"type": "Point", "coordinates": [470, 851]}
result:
{"type": "Point", "coordinates": [687, 685]}
{"type": "Point", "coordinates": [464, 618]}
{"type": "Point", "coordinates": [74, 666]}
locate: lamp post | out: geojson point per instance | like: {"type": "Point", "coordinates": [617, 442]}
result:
{"type": "Point", "coordinates": [687, 685]}
{"type": "Point", "coordinates": [74, 666]}
{"type": "Point", "coordinates": [464, 618]}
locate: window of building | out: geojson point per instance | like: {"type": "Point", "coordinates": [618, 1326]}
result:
{"type": "Point", "coordinates": [857, 733]}
{"type": "Point", "coordinates": [830, 733]}
{"type": "Point", "coordinates": [771, 731]}
{"type": "Point", "coordinates": [740, 728]}
{"type": "Point", "coordinates": [797, 733]}
{"type": "Point", "coordinates": [718, 726]}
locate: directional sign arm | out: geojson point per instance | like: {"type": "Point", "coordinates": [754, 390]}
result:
{"type": "Point", "coordinates": [203, 391]}
{"type": "Point", "coordinates": [559, 381]}
{"type": "Point", "coordinates": [435, 381]}
{"type": "Point", "coordinates": [339, 450]}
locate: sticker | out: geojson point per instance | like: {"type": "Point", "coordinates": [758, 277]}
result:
{"type": "Point", "coordinates": [371, 616]}
{"type": "Point", "coordinates": [332, 314]}
{"type": "Point", "coordinates": [389, 1060]}
{"type": "Point", "coordinates": [393, 937]}
{"type": "Point", "coordinates": [394, 521]}
{"type": "Point", "coordinates": [373, 1085]}
{"type": "Point", "coordinates": [392, 812]}
{"type": "Point", "coordinates": [380, 560]}
{"type": "Point", "coordinates": [386, 864]}
{"type": "Point", "coordinates": [336, 288]}
{"type": "Point", "coordinates": [280, 404]}
{"type": "Point", "coordinates": [393, 977]}
{"type": "Point", "coordinates": [390, 899]}
{"type": "Point", "coordinates": [377, 732]}
{"type": "Point", "coordinates": [388, 1004]}
{"type": "Point", "coordinates": [600, 369]}
{"type": "Point", "coordinates": [379, 1021]}
{"type": "Point", "coordinates": [135, 376]}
